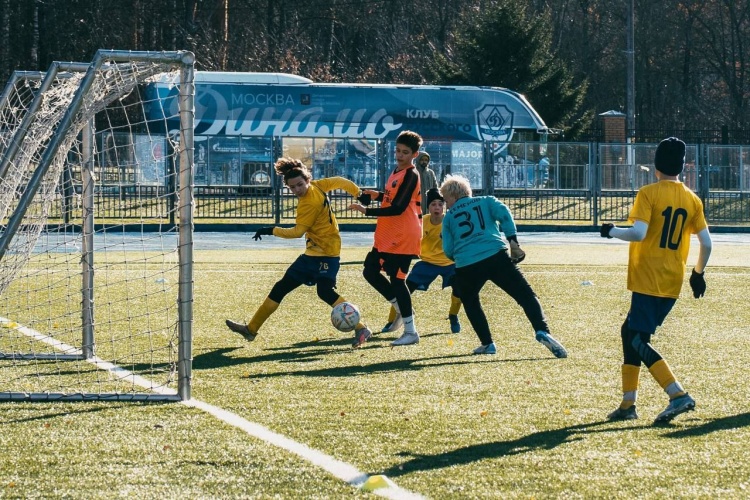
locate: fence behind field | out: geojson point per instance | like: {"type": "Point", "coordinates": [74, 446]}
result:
{"type": "Point", "coordinates": [552, 183]}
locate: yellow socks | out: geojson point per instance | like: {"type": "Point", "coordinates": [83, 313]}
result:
{"type": "Point", "coordinates": [630, 374]}
{"type": "Point", "coordinates": [265, 310]}
{"type": "Point", "coordinates": [666, 379]}
{"type": "Point", "coordinates": [392, 315]}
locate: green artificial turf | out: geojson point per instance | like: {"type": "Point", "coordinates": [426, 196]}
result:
{"type": "Point", "coordinates": [435, 419]}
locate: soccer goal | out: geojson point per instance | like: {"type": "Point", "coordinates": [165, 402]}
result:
{"type": "Point", "coordinates": [96, 248]}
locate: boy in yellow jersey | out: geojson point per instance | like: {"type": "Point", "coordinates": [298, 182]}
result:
{"type": "Point", "coordinates": [319, 265]}
{"type": "Point", "coordinates": [433, 263]}
{"type": "Point", "coordinates": [664, 216]}
{"type": "Point", "coordinates": [398, 234]}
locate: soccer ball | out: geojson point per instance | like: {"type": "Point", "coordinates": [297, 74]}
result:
{"type": "Point", "coordinates": [345, 317]}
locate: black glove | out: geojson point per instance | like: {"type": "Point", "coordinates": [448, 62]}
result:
{"type": "Point", "coordinates": [264, 231]}
{"type": "Point", "coordinates": [605, 229]}
{"type": "Point", "coordinates": [364, 199]}
{"type": "Point", "coordinates": [516, 254]}
{"type": "Point", "coordinates": [698, 284]}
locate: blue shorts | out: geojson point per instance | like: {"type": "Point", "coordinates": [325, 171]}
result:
{"type": "Point", "coordinates": [648, 312]}
{"type": "Point", "coordinates": [423, 274]}
{"type": "Point", "coordinates": [309, 270]}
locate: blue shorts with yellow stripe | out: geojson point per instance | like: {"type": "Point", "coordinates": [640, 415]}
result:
{"type": "Point", "coordinates": [423, 274]}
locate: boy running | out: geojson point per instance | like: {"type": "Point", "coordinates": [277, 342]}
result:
{"type": "Point", "coordinates": [472, 237]}
{"type": "Point", "coordinates": [319, 265]}
{"type": "Point", "coordinates": [398, 235]}
{"type": "Point", "coordinates": [664, 216]}
{"type": "Point", "coordinates": [432, 263]}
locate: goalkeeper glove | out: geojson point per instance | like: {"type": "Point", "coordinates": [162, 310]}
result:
{"type": "Point", "coordinates": [698, 284]}
{"type": "Point", "coordinates": [516, 254]}
{"type": "Point", "coordinates": [264, 231]}
{"type": "Point", "coordinates": [605, 229]}
{"type": "Point", "coordinates": [364, 199]}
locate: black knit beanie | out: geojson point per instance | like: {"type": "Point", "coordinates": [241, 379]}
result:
{"type": "Point", "coordinates": [432, 195]}
{"type": "Point", "coordinates": [670, 156]}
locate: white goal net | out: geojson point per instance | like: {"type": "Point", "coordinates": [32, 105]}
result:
{"type": "Point", "coordinates": [96, 244]}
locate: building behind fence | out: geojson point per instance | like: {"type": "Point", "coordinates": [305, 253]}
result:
{"type": "Point", "coordinates": [543, 183]}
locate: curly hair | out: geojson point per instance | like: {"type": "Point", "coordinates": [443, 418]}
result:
{"type": "Point", "coordinates": [289, 168]}
{"type": "Point", "coordinates": [456, 186]}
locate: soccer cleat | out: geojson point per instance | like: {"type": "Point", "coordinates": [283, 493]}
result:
{"type": "Point", "coordinates": [552, 344]}
{"type": "Point", "coordinates": [675, 407]}
{"type": "Point", "coordinates": [242, 330]}
{"type": "Point", "coordinates": [620, 414]}
{"type": "Point", "coordinates": [455, 325]}
{"type": "Point", "coordinates": [361, 336]}
{"type": "Point", "coordinates": [486, 349]}
{"type": "Point", "coordinates": [407, 339]}
{"type": "Point", "coordinates": [394, 325]}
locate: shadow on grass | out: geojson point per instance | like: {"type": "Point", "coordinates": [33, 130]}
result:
{"type": "Point", "coordinates": [219, 358]}
{"type": "Point", "coordinates": [543, 440]}
{"type": "Point", "coordinates": [74, 410]}
{"type": "Point", "coordinates": [718, 424]}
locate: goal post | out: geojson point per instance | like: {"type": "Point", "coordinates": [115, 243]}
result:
{"type": "Point", "coordinates": [98, 305]}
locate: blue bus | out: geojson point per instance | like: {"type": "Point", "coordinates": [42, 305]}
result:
{"type": "Point", "coordinates": [244, 121]}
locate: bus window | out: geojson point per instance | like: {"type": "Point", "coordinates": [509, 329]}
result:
{"type": "Point", "coordinates": [467, 159]}
{"type": "Point", "coordinates": [200, 159]}
{"type": "Point", "coordinates": [222, 162]}
{"type": "Point", "coordinates": [361, 162]}
{"type": "Point", "coordinates": [440, 157]}
{"type": "Point", "coordinates": [256, 158]}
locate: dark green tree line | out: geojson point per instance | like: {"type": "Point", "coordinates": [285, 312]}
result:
{"type": "Point", "coordinates": [566, 56]}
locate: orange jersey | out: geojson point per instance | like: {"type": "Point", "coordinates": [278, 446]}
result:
{"type": "Point", "coordinates": [399, 226]}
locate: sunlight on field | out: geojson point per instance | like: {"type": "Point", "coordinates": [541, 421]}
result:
{"type": "Point", "coordinates": [431, 417]}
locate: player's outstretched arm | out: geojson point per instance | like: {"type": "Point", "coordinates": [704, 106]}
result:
{"type": "Point", "coordinates": [264, 231]}
{"type": "Point", "coordinates": [636, 232]}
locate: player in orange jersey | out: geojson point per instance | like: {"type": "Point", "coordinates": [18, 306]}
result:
{"type": "Point", "coordinates": [398, 234]}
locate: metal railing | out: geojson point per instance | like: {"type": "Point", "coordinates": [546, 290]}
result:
{"type": "Point", "coordinates": [552, 183]}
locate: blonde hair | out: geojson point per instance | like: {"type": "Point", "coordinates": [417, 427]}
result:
{"type": "Point", "coordinates": [456, 186]}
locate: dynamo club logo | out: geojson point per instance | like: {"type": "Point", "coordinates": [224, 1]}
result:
{"type": "Point", "coordinates": [495, 123]}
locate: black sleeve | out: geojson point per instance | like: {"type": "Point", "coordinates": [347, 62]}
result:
{"type": "Point", "coordinates": [402, 198]}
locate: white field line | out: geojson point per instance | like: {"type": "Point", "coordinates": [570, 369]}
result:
{"type": "Point", "coordinates": [337, 468]}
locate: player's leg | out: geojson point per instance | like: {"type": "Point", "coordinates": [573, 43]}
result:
{"type": "Point", "coordinates": [396, 266]}
{"type": "Point", "coordinates": [372, 274]}
{"type": "Point", "coordinates": [646, 314]}
{"type": "Point", "coordinates": [509, 277]}
{"type": "Point", "coordinates": [470, 280]}
{"type": "Point", "coordinates": [395, 321]}
{"type": "Point", "coordinates": [282, 287]}
{"type": "Point", "coordinates": [453, 310]}
{"type": "Point", "coordinates": [630, 371]}
{"type": "Point", "coordinates": [448, 274]}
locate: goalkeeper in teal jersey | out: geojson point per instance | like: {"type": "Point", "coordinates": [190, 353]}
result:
{"type": "Point", "coordinates": [664, 216]}
{"type": "Point", "coordinates": [472, 238]}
